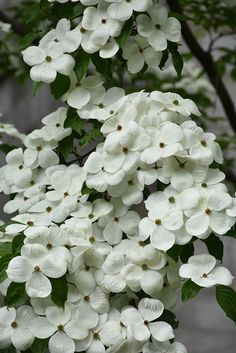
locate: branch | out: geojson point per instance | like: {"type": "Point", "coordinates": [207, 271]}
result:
{"type": "Point", "coordinates": [208, 64]}
{"type": "Point", "coordinates": [16, 27]}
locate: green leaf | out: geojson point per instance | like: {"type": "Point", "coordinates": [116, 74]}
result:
{"type": "Point", "coordinates": [60, 86]}
{"type": "Point", "coordinates": [10, 349]}
{"type": "Point", "coordinates": [175, 252]}
{"type": "Point", "coordinates": [35, 87]}
{"type": "Point", "coordinates": [189, 290]}
{"type": "Point", "coordinates": [4, 261]}
{"type": "Point", "coordinates": [27, 40]}
{"type": "Point", "coordinates": [103, 66]}
{"type": "Point", "coordinates": [74, 121]}
{"type": "Point", "coordinates": [17, 243]}
{"type": "Point", "coordinates": [215, 246]}
{"type": "Point", "coordinates": [65, 146]}
{"type": "Point", "coordinates": [177, 58]}
{"type": "Point", "coordinates": [231, 233]}
{"type": "Point", "coordinates": [187, 251]}
{"type": "Point", "coordinates": [165, 57]}
{"type": "Point", "coordinates": [3, 227]}
{"type": "Point", "coordinates": [125, 33]}
{"type": "Point", "coordinates": [169, 317]}
{"type": "Point", "coordinates": [16, 294]}
{"type": "Point", "coordinates": [226, 298]}
{"type": "Point", "coordinates": [91, 135]}
{"type": "Point", "coordinates": [39, 346]}
{"type": "Point", "coordinates": [33, 12]}
{"type": "Point", "coordinates": [59, 290]}
{"type": "Point", "coordinates": [5, 248]}
{"type": "Point", "coordinates": [6, 148]}
{"type": "Point", "coordinates": [82, 64]}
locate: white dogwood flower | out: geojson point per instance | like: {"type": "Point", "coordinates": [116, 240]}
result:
{"type": "Point", "coordinates": [139, 321]}
{"type": "Point", "coordinates": [15, 327]}
{"type": "Point", "coordinates": [158, 28]}
{"type": "Point", "coordinates": [122, 9]}
{"type": "Point", "coordinates": [202, 271]}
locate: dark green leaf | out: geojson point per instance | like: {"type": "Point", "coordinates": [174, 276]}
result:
{"type": "Point", "coordinates": [6, 148]}
{"type": "Point", "coordinates": [189, 290]}
{"type": "Point", "coordinates": [175, 252]}
{"type": "Point", "coordinates": [74, 121]}
{"type": "Point", "coordinates": [5, 248]}
{"type": "Point", "coordinates": [226, 298]}
{"type": "Point", "coordinates": [231, 233]}
{"type": "Point", "coordinates": [60, 86]}
{"type": "Point", "coordinates": [126, 30]}
{"type": "Point", "coordinates": [59, 290]}
{"type": "Point", "coordinates": [27, 40]}
{"type": "Point", "coordinates": [33, 12]}
{"type": "Point", "coordinates": [10, 349]}
{"type": "Point", "coordinates": [17, 243]}
{"type": "Point", "coordinates": [39, 346]}
{"type": "Point", "coordinates": [187, 251]}
{"type": "Point", "coordinates": [103, 66]}
{"type": "Point", "coordinates": [177, 58]}
{"type": "Point", "coordinates": [165, 57]}
{"type": "Point", "coordinates": [4, 261]}
{"type": "Point", "coordinates": [169, 317]}
{"type": "Point", "coordinates": [66, 146]}
{"type": "Point", "coordinates": [16, 294]}
{"type": "Point", "coordinates": [82, 64]}
{"type": "Point", "coordinates": [3, 227]}
{"type": "Point", "coordinates": [215, 246]}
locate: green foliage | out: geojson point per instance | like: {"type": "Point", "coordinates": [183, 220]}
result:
{"type": "Point", "coordinates": [82, 63]}
{"type": "Point", "coordinates": [177, 58]}
{"type": "Point", "coordinates": [29, 38]}
{"type": "Point", "coordinates": [16, 294]}
{"type": "Point", "coordinates": [103, 66]}
{"type": "Point", "coordinates": [74, 121]}
{"type": "Point", "coordinates": [187, 251]}
{"type": "Point", "coordinates": [60, 86]}
{"type": "Point", "coordinates": [189, 290]}
{"type": "Point", "coordinates": [89, 137]}
{"type": "Point", "coordinates": [125, 33]}
{"type": "Point", "coordinates": [17, 243]}
{"type": "Point", "coordinates": [169, 317]}
{"type": "Point", "coordinates": [215, 246]}
{"type": "Point", "coordinates": [65, 147]}
{"type": "Point", "coordinates": [4, 261]}
{"type": "Point", "coordinates": [175, 252]}
{"type": "Point", "coordinates": [10, 349]}
{"type": "Point", "coordinates": [39, 346]}
{"type": "Point", "coordinates": [59, 290]}
{"type": "Point", "coordinates": [5, 148]}
{"type": "Point", "coordinates": [5, 248]}
{"type": "Point", "coordinates": [226, 298]}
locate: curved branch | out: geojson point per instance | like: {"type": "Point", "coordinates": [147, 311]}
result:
{"type": "Point", "coordinates": [16, 27]}
{"type": "Point", "coordinates": [206, 60]}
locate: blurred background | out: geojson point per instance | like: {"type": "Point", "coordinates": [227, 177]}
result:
{"type": "Point", "coordinates": [208, 25]}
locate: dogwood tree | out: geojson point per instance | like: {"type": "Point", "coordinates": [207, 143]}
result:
{"type": "Point", "coordinates": [108, 198]}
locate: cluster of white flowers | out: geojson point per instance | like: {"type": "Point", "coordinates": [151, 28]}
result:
{"type": "Point", "coordinates": [96, 31]}
{"type": "Point", "coordinates": [95, 270]}
{"type": "Point", "coordinates": [106, 252]}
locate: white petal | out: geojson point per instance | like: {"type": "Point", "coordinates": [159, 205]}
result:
{"type": "Point", "coordinates": [221, 275]}
{"type": "Point", "coordinates": [140, 331]}
{"type": "Point", "coordinates": [112, 233]}
{"type": "Point", "coordinates": [76, 330]}
{"type": "Point", "coordinates": [43, 72]}
{"type": "Point", "coordinates": [150, 309]}
{"type": "Point", "coordinates": [161, 331]}
{"type": "Point", "coordinates": [42, 328]}
{"type": "Point", "coordinates": [19, 269]}
{"type": "Point", "coordinates": [64, 64]}
{"type": "Point", "coordinates": [22, 338]}
{"type": "Point", "coordinates": [151, 282]}
{"type": "Point", "coordinates": [198, 224]}
{"type": "Point", "coordinates": [61, 343]}
{"type": "Point", "coordinates": [78, 98]}
{"type": "Point", "coordinates": [33, 55]}
{"type": "Point", "coordinates": [162, 239]}
{"type": "Point", "coordinates": [38, 285]}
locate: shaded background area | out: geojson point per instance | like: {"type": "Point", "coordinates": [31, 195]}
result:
{"type": "Point", "coordinates": [203, 325]}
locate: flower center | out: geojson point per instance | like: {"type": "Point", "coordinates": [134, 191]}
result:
{"type": "Point", "coordinates": [208, 211]}
{"type": "Point", "coordinates": [96, 335]}
{"type": "Point", "coordinates": [37, 269]}
{"type": "Point", "coordinates": [203, 143]}
{"type": "Point", "coordinates": [158, 222]}
{"type": "Point", "coordinates": [92, 239]}
{"type": "Point", "coordinates": [39, 148]}
{"type": "Point", "coordinates": [144, 267]}
{"type": "Point", "coordinates": [204, 185]}
{"type": "Point", "coordinates": [30, 223]}
{"type": "Point", "coordinates": [86, 298]}
{"type": "Point", "coordinates": [14, 324]}
{"type": "Point", "coordinates": [146, 323]}
{"type": "Point", "coordinates": [176, 102]}
{"type": "Point", "coordinates": [91, 216]}
{"type": "Point", "coordinates": [130, 182]}
{"type": "Point", "coordinates": [20, 167]}
{"type": "Point", "coordinates": [49, 209]}
{"type": "Point", "coordinates": [119, 127]}
{"type": "Point", "coordinates": [48, 59]}
{"type": "Point", "coordinates": [204, 275]}
{"type": "Point", "coordinates": [171, 199]}
{"type": "Point", "coordinates": [60, 328]}
{"type": "Point", "coordinates": [158, 26]}
{"type": "Point", "coordinates": [49, 246]}
{"type": "Point", "coordinates": [104, 21]}
{"type": "Point", "coordinates": [161, 145]}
